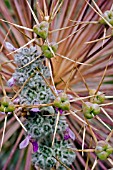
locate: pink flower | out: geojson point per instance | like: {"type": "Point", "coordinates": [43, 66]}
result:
{"type": "Point", "coordinates": [9, 46]}
{"type": "Point", "coordinates": [3, 113]}
{"type": "Point", "coordinates": [35, 110]}
{"type": "Point", "coordinates": [69, 134]}
{"type": "Point", "coordinates": [11, 82]}
{"type": "Point", "coordinates": [60, 110]}
{"type": "Point", "coordinates": [26, 142]}
{"type": "Point", "coordinates": [16, 101]}
{"type": "Point", "coordinates": [35, 146]}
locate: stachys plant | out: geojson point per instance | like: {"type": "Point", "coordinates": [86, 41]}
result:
{"type": "Point", "coordinates": [40, 122]}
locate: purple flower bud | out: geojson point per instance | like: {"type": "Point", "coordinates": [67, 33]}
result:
{"type": "Point", "coordinates": [35, 110]}
{"type": "Point", "coordinates": [35, 145]}
{"type": "Point", "coordinates": [16, 101]}
{"type": "Point", "coordinates": [25, 142]}
{"type": "Point", "coordinates": [11, 82]}
{"type": "Point", "coordinates": [59, 91]}
{"type": "Point", "coordinates": [70, 97]}
{"type": "Point", "coordinates": [3, 113]}
{"type": "Point", "coordinates": [9, 46]}
{"type": "Point", "coordinates": [60, 110]}
{"type": "Point", "coordinates": [69, 134]}
{"type": "Point", "coordinates": [66, 136]}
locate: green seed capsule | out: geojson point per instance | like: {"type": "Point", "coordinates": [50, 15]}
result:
{"type": "Point", "coordinates": [35, 29]}
{"type": "Point", "coordinates": [57, 102]}
{"type": "Point", "coordinates": [103, 155]}
{"type": "Point", "coordinates": [98, 149]}
{"type": "Point", "coordinates": [103, 144]}
{"type": "Point", "coordinates": [103, 150]}
{"type": "Point", "coordinates": [11, 108]}
{"type": "Point", "coordinates": [108, 15]}
{"type": "Point", "coordinates": [5, 101]}
{"type": "Point", "coordinates": [63, 96]}
{"type": "Point", "coordinates": [90, 109]}
{"type": "Point", "coordinates": [99, 98]}
{"type": "Point", "coordinates": [54, 46]}
{"type": "Point", "coordinates": [2, 108]}
{"type": "Point", "coordinates": [47, 51]}
{"type": "Point", "coordinates": [96, 109]}
{"type": "Point", "coordinates": [42, 29]}
{"type": "Point", "coordinates": [65, 105]}
{"type": "Point", "coordinates": [88, 115]}
{"type": "Point", "coordinates": [62, 102]}
{"type": "Point", "coordinates": [48, 54]}
{"type": "Point", "coordinates": [109, 150]}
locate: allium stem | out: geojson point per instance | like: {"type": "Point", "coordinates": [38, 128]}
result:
{"type": "Point", "coordinates": [25, 28]}
{"type": "Point", "coordinates": [99, 14]}
{"type": "Point", "coordinates": [95, 163]}
{"type": "Point", "coordinates": [20, 122]}
{"type": "Point", "coordinates": [109, 136]}
{"type": "Point", "coordinates": [5, 39]}
{"type": "Point", "coordinates": [34, 16]}
{"type": "Point", "coordinates": [107, 115]}
{"type": "Point", "coordinates": [3, 89]}
{"type": "Point", "coordinates": [103, 123]}
{"type": "Point", "coordinates": [84, 131]}
{"type": "Point", "coordinates": [31, 41]}
{"type": "Point", "coordinates": [57, 119]}
{"type": "Point", "coordinates": [5, 121]}
{"type": "Point", "coordinates": [71, 34]}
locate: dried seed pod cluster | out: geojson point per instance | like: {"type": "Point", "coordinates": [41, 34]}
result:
{"type": "Point", "coordinates": [49, 50]}
{"type": "Point", "coordinates": [98, 98]}
{"type": "Point", "coordinates": [42, 29]}
{"type": "Point", "coordinates": [108, 15]}
{"type": "Point", "coordinates": [90, 110]}
{"type": "Point", "coordinates": [6, 105]}
{"type": "Point", "coordinates": [62, 102]}
{"type": "Point", "coordinates": [103, 150]}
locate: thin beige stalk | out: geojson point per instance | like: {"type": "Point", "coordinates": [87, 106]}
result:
{"type": "Point", "coordinates": [94, 165]}
{"type": "Point", "coordinates": [31, 41]}
{"type": "Point", "coordinates": [34, 16]}
{"type": "Point", "coordinates": [98, 118]}
{"type": "Point", "coordinates": [84, 132]}
{"type": "Point", "coordinates": [5, 121]}
{"type": "Point", "coordinates": [20, 122]}
{"type": "Point", "coordinates": [16, 25]}
{"type": "Point", "coordinates": [57, 119]}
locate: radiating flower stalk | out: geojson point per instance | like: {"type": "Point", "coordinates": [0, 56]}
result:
{"type": "Point", "coordinates": [36, 82]}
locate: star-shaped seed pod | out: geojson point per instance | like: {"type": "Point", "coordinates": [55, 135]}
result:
{"type": "Point", "coordinates": [62, 102]}
{"type": "Point", "coordinates": [90, 110]}
{"type": "Point", "coordinates": [99, 98]}
{"type": "Point", "coordinates": [47, 51]}
{"type": "Point", "coordinates": [103, 150]}
{"type": "Point", "coordinates": [108, 15]}
{"type": "Point", "coordinates": [42, 29]}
